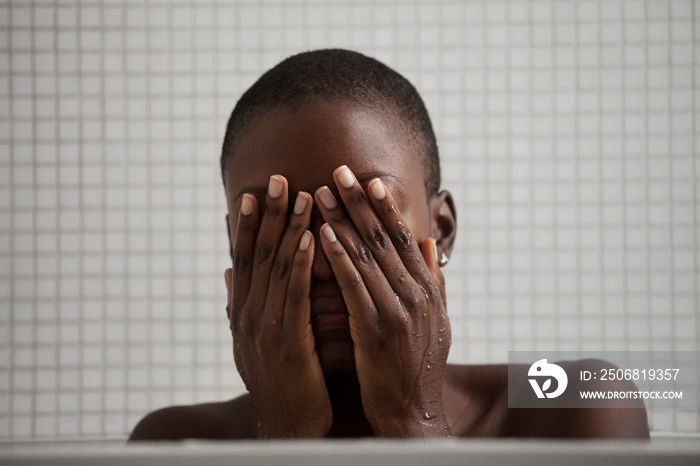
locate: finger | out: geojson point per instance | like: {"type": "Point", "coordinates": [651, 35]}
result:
{"type": "Point", "coordinates": [371, 229]}
{"type": "Point", "coordinates": [401, 237]}
{"type": "Point", "coordinates": [284, 259]}
{"type": "Point", "coordinates": [430, 255]}
{"type": "Point", "coordinates": [354, 247]}
{"type": "Point", "coordinates": [266, 244]}
{"type": "Point", "coordinates": [297, 306]}
{"type": "Point", "coordinates": [361, 307]}
{"type": "Point", "coordinates": [244, 245]}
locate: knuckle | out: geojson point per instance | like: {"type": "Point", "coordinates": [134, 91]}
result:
{"type": "Point", "coordinates": [247, 326]}
{"type": "Point", "coordinates": [432, 293]}
{"type": "Point", "coordinates": [274, 209]}
{"type": "Point", "coordinates": [246, 226]}
{"type": "Point", "coordinates": [299, 260]}
{"type": "Point", "coordinates": [440, 276]}
{"type": "Point", "coordinates": [441, 280]}
{"type": "Point", "coordinates": [293, 228]}
{"type": "Point", "coordinates": [416, 300]}
{"type": "Point", "coordinates": [397, 323]}
{"type": "Point", "coordinates": [356, 281]}
{"type": "Point", "coordinates": [234, 323]}
{"type": "Point", "coordinates": [429, 289]}
{"type": "Point", "coordinates": [264, 339]}
{"type": "Point", "coordinates": [338, 253]}
{"type": "Point", "coordinates": [295, 296]}
{"type": "Point", "coordinates": [352, 282]}
{"type": "Point", "coordinates": [378, 235]}
{"type": "Point", "coordinates": [363, 253]}
{"type": "Point", "coordinates": [339, 217]}
{"type": "Point", "coordinates": [280, 269]}
{"type": "Point", "coordinates": [263, 252]}
{"type": "Point", "coordinates": [403, 239]}
{"type": "Point", "coordinates": [357, 198]}
{"type": "Point", "coordinates": [241, 261]}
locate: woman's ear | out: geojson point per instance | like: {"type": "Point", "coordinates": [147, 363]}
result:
{"type": "Point", "coordinates": [443, 226]}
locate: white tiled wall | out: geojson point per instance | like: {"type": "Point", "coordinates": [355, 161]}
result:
{"type": "Point", "coordinates": [568, 136]}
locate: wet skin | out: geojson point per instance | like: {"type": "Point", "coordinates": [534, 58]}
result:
{"type": "Point", "coordinates": [342, 329]}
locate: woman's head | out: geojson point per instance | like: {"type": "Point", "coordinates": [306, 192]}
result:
{"type": "Point", "coordinates": [333, 75]}
{"type": "Point", "coordinates": [319, 110]}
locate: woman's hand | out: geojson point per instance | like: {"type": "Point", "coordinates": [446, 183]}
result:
{"type": "Point", "coordinates": [395, 295]}
{"type": "Point", "coordinates": [269, 313]}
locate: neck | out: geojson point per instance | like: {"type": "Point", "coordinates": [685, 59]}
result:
{"type": "Point", "coordinates": [348, 415]}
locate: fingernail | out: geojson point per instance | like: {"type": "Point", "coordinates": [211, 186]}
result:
{"type": "Point", "coordinates": [300, 203]}
{"type": "Point", "coordinates": [328, 233]}
{"type": "Point", "coordinates": [305, 240]}
{"type": "Point", "coordinates": [435, 249]}
{"type": "Point", "coordinates": [327, 198]}
{"type": "Point", "coordinates": [377, 188]}
{"type": "Point", "coordinates": [247, 204]}
{"type": "Point", "coordinates": [345, 177]}
{"type": "Point", "coordinates": [274, 190]}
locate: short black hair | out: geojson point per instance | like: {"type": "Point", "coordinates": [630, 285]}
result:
{"type": "Point", "coordinates": [338, 74]}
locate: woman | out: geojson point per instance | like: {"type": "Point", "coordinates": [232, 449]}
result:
{"type": "Point", "coordinates": [338, 230]}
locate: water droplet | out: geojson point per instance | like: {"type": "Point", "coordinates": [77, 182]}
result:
{"type": "Point", "coordinates": [273, 321]}
{"type": "Point", "coordinates": [439, 339]}
{"type": "Point", "coordinates": [424, 315]}
{"type": "Point", "coordinates": [428, 367]}
{"type": "Point", "coordinates": [427, 416]}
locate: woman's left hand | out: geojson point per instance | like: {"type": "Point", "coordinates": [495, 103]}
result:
{"type": "Point", "coordinates": [395, 295]}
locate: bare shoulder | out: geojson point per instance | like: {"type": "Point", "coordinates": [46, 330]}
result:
{"type": "Point", "coordinates": [225, 420]}
{"type": "Point", "coordinates": [483, 389]}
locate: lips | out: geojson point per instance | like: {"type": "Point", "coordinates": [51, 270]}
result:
{"type": "Point", "coordinates": [329, 311]}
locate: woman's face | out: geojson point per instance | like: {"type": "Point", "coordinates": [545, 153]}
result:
{"type": "Point", "coordinates": [305, 146]}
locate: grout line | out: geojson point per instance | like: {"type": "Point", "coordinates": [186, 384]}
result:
{"type": "Point", "coordinates": [103, 229]}
{"type": "Point", "coordinates": [171, 203]}
{"type": "Point", "coordinates": [35, 242]}
{"type": "Point", "coordinates": [193, 196]}
{"type": "Point", "coordinates": [11, 221]}
{"type": "Point", "coordinates": [149, 223]}
{"type": "Point", "coordinates": [81, 221]}
{"type": "Point", "coordinates": [125, 219]}
{"type": "Point", "coordinates": [57, 134]}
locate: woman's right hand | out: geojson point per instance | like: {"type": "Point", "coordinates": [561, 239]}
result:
{"type": "Point", "coordinates": [269, 313]}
